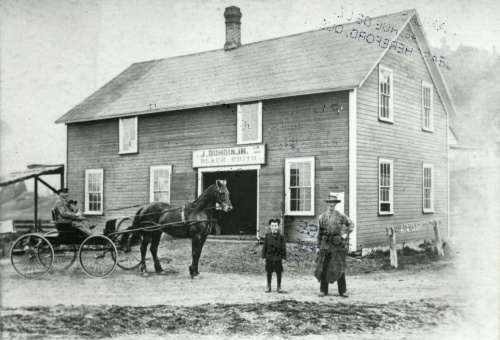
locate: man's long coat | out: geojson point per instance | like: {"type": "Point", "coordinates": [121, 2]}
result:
{"type": "Point", "coordinates": [332, 247]}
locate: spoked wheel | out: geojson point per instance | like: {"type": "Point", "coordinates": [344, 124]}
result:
{"type": "Point", "coordinates": [32, 256]}
{"type": "Point", "coordinates": [64, 256]}
{"type": "Point", "coordinates": [98, 256]}
{"type": "Point", "coordinates": [129, 259]}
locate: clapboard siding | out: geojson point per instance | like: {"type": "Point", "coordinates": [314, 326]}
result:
{"type": "Point", "coordinates": [406, 144]}
{"type": "Point", "coordinates": [303, 126]}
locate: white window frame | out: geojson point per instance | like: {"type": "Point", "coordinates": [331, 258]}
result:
{"type": "Point", "coordinates": [389, 119]}
{"type": "Point", "coordinates": [391, 189]}
{"type": "Point", "coordinates": [135, 147]}
{"type": "Point", "coordinates": [431, 167]}
{"type": "Point", "coordinates": [288, 196]}
{"type": "Point", "coordinates": [89, 172]}
{"type": "Point", "coordinates": [151, 181]}
{"type": "Point", "coordinates": [240, 125]}
{"type": "Point", "coordinates": [429, 86]}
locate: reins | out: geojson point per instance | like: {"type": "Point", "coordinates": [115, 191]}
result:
{"type": "Point", "coordinates": [157, 226]}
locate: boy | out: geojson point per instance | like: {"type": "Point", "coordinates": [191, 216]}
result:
{"type": "Point", "coordinates": [274, 251]}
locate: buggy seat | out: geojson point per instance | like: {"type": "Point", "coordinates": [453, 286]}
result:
{"type": "Point", "coordinates": [62, 226]}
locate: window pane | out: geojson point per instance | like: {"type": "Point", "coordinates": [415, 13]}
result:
{"type": "Point", "coordinates": [385, 189]}
{"type": "Point", "coordinates": [300, 186]}
{"type": "Point", "coordinates": [306, 176]}
{"type": "Point", "coordinates": [94, 191]}
{"type": "Point", "coordinates": [249, 122]}
{"type": "Point", "coordinates": [294, 177]}
{"type": "Point", "coordinates": [301, 199]}
{"type": "Point", "coordinates": [129, 139]}
{"type": "Point", "coordinates": [161, 185]}
{"type": "Point", "coordinates": [385, 94]}
{"type": "Point", "coordinates": [386, 207]}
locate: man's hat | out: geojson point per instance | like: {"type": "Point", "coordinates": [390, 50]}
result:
{"type": "Point", "coordinates": [332, 198]}
{"type": "Point", "coordinates": [62, 190]}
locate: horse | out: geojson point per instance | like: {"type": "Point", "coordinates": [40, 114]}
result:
{"type": "Point", "coordinates": [191, 221]}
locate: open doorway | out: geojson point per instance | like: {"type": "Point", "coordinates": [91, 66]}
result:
{"type": "Point", "coordinates": [242, 186]}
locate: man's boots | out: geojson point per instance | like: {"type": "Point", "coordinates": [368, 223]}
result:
{"type": "Point", "coordinates": [268, 290]}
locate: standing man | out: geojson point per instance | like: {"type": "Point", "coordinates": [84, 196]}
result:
{"type": "Point", "coordinates": [333, 245]}
{"type": "Point", "coordinates": [65, 213]}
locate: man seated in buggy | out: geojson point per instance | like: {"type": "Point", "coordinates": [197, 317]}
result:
{"type": "Point", "coordinates": [66, 213]}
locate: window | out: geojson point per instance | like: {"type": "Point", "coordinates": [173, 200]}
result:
{"type": "Point", "coordinates": [94, 191]}
{"type": "Point", "coordinates": [385, 109]}
{"type": "Point", "coordinates": [386, 189]}
{"type": "Point", "coordinates": [428, 188]}
{"type": "Point", "coordinates": [249, 123]}
{"type": "Point", "coordinates": [427, 123]}
{"type": "Point", "coordinates": [299, 186]}
{"type": "Point", "coordinates": [160, 183]}
{"type": "Point", "coordinates": [128, 135]}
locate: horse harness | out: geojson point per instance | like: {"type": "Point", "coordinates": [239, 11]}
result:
{"type": "Point", "coordinates": [186, 223]}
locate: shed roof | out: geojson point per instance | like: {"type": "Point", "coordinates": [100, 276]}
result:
{"type": "Point", "coordinates": [311, 62]}
{"type": "Point", "coordinates": [33, 170]}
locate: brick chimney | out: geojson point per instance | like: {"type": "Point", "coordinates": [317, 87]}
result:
{"type": "Point", "coordinates": [233, 30]}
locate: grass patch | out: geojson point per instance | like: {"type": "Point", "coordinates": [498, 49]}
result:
{"type": "Point", "coordinates": [245, 258]}
{"type": "Point", "coordinates": [286, 317]}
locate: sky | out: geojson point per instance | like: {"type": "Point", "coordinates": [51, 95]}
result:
{"type": "Point", "coordinates": [54, 54]}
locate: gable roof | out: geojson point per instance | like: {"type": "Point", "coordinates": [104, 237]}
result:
{"type": "Point", "coordinates": [312, 62]}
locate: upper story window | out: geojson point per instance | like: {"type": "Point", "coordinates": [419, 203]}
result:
{"type": "Point", "coordinates": [299, 186]}
{"type": "Point", "coordinates": [94, 191]}
{"type": "Point", "coordinates": [249, 123]}
{"type": "Point", "coordinates": [128, 135]}
{"type": "Point", "coordinates": [385, 107]}
{"type": "Point", "coordinates": [427, 112]}
{"type": "Point", "coordinates": [428, 188]}
{"type": "Point", "coordinates": [386, 187]}
{"type": "Point", "coordinates": [160, 183]}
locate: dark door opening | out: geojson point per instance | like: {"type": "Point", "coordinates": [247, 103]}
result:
{"type": "Point", "coordinates": [242, 186]}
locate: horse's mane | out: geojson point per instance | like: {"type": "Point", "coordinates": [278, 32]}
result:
{"type": "Point", "coordinates": [203, 194]}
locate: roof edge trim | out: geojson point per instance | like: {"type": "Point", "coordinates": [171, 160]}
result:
{"type": "Point", "coordinates": [387, 49]}
{"type": "Point", "coordinates": [445, 97]}
{"type": "Point", "coordinates": [200, 105]}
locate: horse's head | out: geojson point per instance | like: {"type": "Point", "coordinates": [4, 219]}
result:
{"type": "Point", "coordinates": [223, 195]}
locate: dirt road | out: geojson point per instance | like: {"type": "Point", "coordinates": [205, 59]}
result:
{"type": "Point", "coordinates": [175, 287]}
{"type": "Point", "coordinates": [438, 301]}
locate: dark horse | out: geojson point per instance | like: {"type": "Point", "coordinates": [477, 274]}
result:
{"type": "Point", "coordinates": [191, 221]}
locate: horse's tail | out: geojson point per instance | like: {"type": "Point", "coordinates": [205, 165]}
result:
{"type": "Point", "coordinates": [132, 233]}
{"type": "Point", "coordinates": [137, 220]}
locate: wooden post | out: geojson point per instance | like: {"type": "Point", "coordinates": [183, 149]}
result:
{"type": "Point", "coordinates": [393, 250]}
{"type": "Point", "coordinates": [439, 243]}
{"type": "Point", "coordinates": [62, 178]}
{"type": "Point", "coordinates": [36, 204]}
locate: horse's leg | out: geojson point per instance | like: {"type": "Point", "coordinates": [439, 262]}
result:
{"type": "Point", "coordinates": [195, 246]}
{"type": "Point", "coordinates": [154, 250]}
{"type": "Point", "coordinates": [144, 248]}
{"type": "Point", "coordinates": [202, 242]}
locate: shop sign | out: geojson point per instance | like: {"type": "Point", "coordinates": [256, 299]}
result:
{"type": "Point", "coordinates": [240, 155]}
{"type": "Point", "coordinates": [411, 227]}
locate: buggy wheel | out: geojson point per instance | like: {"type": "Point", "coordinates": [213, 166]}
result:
{"type": "Point", "coordinates": [27, 253]}
{"type": "Point", "coordinates": [64, 256]}
{"type": "Point", "coordinates": [98, 256]}
{"type": "Point", "coordinates": [129, 259]}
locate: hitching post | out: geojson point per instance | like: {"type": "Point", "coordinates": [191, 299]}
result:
{"type": "Point", "coordinates": [393, 250]}
{"type": "Point", "coordinates": [439, 243]}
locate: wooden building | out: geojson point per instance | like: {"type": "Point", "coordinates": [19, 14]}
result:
{"type": "Point", "coordinates": [358, 109]}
